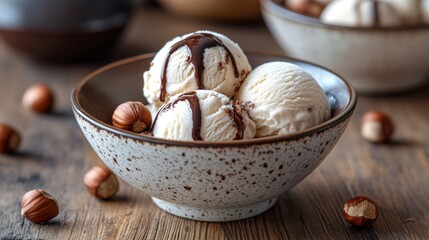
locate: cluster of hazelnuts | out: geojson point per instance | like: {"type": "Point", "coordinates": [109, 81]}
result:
{"type": "Point", "coordinates": [38, 98]}
{"type": "Point", "coordinates": [38, 205]}
{"type": "Point", "coordinates": [376, 127]}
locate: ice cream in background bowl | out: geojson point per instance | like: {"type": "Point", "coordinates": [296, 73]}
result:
{"type": "Point", "coordinates": [201, 160]}
{"type": "Point", "coordinates": [410, 10]}
{"type": "Point", "coordinates": [380, 46]}
{"type": "Point", "coordinates": [363, 13]}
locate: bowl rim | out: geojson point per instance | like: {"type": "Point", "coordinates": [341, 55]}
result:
{"type": "Point", "coordinates": [78, 109]}
{"type": "Point", "coordinates": [282, 12]}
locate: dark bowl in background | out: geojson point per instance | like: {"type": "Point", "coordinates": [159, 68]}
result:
{"type": "Point", "coordinates": [63, 30]}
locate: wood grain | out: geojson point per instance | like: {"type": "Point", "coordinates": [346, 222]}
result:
{"type": "Point", "coordinates": [54, 156]}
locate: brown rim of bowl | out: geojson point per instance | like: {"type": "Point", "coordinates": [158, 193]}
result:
{"type": "Point", "coordinates": [344, 114]}
{"type": "Point", "coordinates": [283, 12]}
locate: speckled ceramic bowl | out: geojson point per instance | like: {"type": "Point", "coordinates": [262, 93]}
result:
{"type": "Point", "coordinates": [209, 181]}
{"type": "Point", "coordinates": [375, 60]}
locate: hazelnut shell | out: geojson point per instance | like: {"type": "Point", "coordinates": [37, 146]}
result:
{"type": "Point", "coordinates": [38, 98]}
{"type": "Point", "coordinates": [9, 139]}
{"type": "Point", "coordinates": [360, 211]}
{"type": "Point", "coordinates": [306, 7]}
{"type": "Point", "coordinates": [39, 206]}
{"type": "Point", "coordinates": [377, 127]}
{"type": "Point", "coordinates": [133, 116]}
{"type": "Point", "coordinates": [101, 182]}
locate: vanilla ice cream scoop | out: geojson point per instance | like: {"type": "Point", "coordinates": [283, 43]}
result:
{"type": "Point", "coordinates": [199, 60]}
{"type": "Point", "coordinates": [203, 115]}
{"type": "Point", "coordinates": [408, 9]}
{"type": "Point", "coordinates": [361, 13]}
{"type": "Point", "coordinates": [285, 99]}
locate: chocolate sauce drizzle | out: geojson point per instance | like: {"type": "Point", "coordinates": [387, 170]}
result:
{"type": "Point", "coordinates": [194, 104]}
{"type": "Point", "coordinates": [376, 13]}
{"type": "Point", "coordinates": [236, 115]}
{"type": "Point", "coordinates": [195, 45]}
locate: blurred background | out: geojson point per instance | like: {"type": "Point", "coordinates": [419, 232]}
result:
{"type": "Point", "coordinates": [80, 30]}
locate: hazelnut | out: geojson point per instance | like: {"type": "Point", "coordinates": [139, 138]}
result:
{"type": "Point", "coordinates": [9, 139]}
{"type": "Point", "coordinates": [39, 206]}
{"type": "Point", "coordinates": [101, 182]}
{"type": "Point", "coordinates": [133, 116]}
{"type": "Point", "coordinates": [307, 7]}
{"type": "Point", "coordinates": [377, 127]}
{"type": "Point", "coordinates": [360, 211]}
{"type": "Point", "coordinates": [38, 98]}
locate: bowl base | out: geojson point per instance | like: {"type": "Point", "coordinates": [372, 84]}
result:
{"type": "Point", "coordinates": [215, 214]}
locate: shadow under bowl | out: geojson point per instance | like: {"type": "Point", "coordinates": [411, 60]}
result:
{"type": "Point", "coordinates": [376, 60]}
{"type": "Point", "coordinates": [208, 181]}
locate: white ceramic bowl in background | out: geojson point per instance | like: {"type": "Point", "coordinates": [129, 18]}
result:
{"type": "Point", "coordinates": [374, 60]}
{"type": "Point", "coordinates": [209, 181]}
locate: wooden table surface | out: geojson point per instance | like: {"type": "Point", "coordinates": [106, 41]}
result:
{"type": "Point", "coordinates": [54, 156]}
